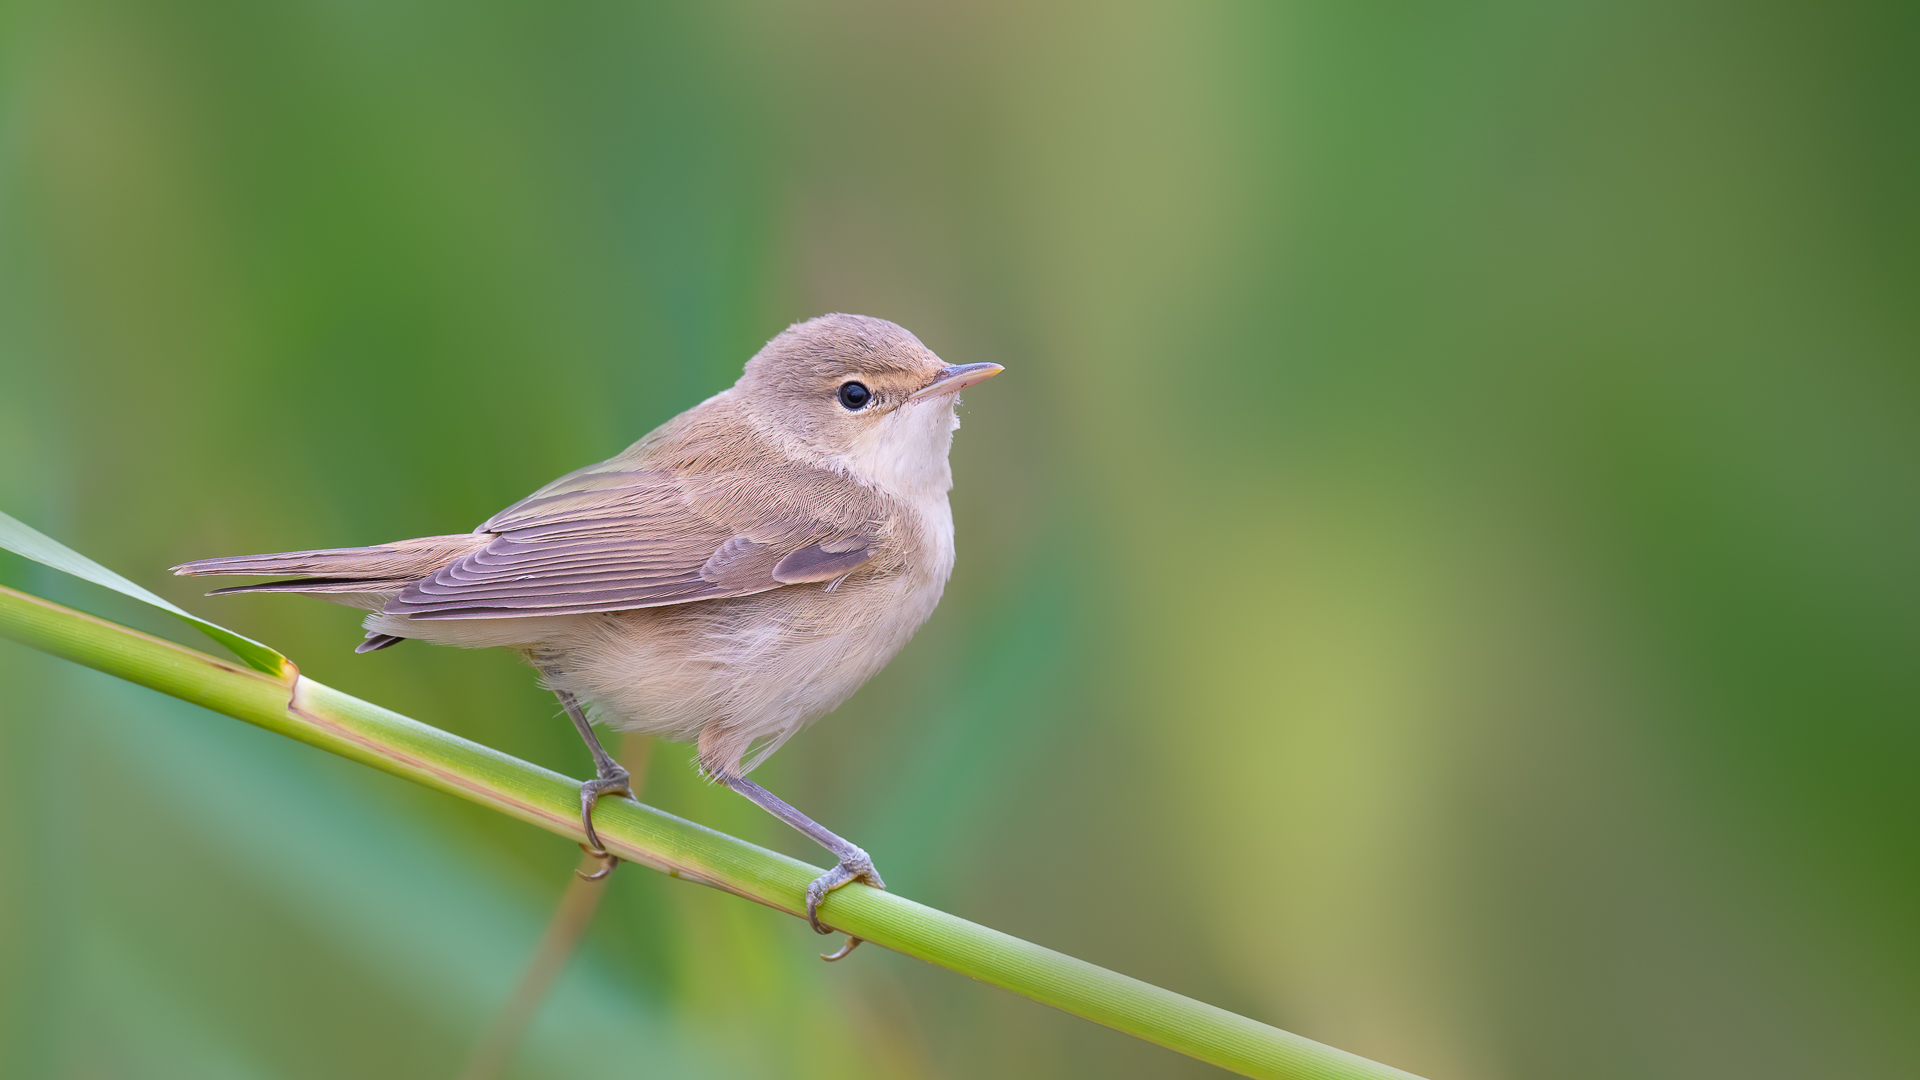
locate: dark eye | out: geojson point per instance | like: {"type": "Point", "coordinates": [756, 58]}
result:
{"type": "Point", "coordinates": [855, 395]}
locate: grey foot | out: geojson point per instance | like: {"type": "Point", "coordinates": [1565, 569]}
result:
{"type": "Point", "coordinates": [612, 781]}
{"type": "Point", "coordinates": [854, 863]}
{"type": "Point", "coordinates": [841, 953]}
{"type": "Point", "coordinates": [854, 867]}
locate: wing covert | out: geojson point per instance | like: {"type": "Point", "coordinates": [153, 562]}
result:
{"type": "Point", "coordinates": [608, 538]}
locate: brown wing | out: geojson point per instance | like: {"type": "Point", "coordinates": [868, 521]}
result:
{"type": "Point", "coordinates": [614, 536]}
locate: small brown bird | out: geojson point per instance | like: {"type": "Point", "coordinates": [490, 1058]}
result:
{"type": "Point", "coordinates": [735, 574]}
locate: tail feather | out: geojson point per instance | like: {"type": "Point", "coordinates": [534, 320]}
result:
{"type": "Point", "coordinates": [377, 641]}
{"type": "Point", "coordinates": [399, 562]}
{"type": "Point", "coordinates": [321, 586]}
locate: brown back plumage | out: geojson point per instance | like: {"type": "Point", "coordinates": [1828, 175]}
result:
{"type": "Point", "coordinates": [720, 501]}
{"type": "Point", "coordinates": [606, 538]}
{"type": "Point", "coordinates": [621, 535]}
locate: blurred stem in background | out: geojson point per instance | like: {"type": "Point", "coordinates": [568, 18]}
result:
{"type": "Point", "coordinates": [498, 1043]}
{"type": "Point", "coordinates": [303, 709]}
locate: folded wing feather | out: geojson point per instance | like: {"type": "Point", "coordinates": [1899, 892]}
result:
{"type": "Point", "coordinates": [610, 539]}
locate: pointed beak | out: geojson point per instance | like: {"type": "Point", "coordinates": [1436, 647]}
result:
{"type": "Point", "coordinates": [955, 378]}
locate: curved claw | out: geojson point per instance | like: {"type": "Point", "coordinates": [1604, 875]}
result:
{"type": "Point", "coordinates": [616, 783]}
{"type": "Point", "coordinates": [855, 867]}
{"type": "Point", "coordinates": [605, 856]}
{"type": "Point", "coordinates": [841, 953]}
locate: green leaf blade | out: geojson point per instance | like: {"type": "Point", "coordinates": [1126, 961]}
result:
{"type": "Point", "coordinates": [24, 540]}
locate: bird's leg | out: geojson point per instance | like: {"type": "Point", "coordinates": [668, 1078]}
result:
{"type": "Point", "coordinates": [608, 779]}
{"type": "Point", "coordinates": [854, 865]}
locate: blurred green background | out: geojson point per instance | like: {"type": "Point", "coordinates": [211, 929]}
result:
{"type": "Point", "coordinates": [1439, 573]}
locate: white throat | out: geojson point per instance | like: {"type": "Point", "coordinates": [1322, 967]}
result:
{"type": "Point", "coordinates": [905, 454]}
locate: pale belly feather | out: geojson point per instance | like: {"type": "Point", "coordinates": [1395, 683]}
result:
{"type": "Point", "coordinates": [736, 674]}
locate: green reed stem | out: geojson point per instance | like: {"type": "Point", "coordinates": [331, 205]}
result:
{"type": "Point", "coordinates": [300, 708]}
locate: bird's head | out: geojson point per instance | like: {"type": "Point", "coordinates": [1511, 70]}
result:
{"type": "Point", "coordinates": [862, 396]}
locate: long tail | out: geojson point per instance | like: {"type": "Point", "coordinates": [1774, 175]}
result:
{"type": "Point", "coordinates": [337, 573]}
